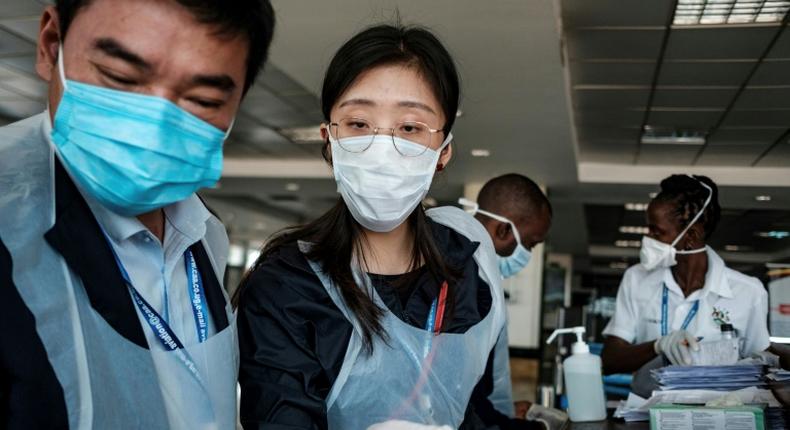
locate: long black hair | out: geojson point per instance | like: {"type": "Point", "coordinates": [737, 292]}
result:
{"type": "Point", "coordinates": [337, 239]}
{"type": "Point", "coordinates": [688, 197]}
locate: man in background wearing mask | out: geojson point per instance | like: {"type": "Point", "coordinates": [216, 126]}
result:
{"type": "Point", "coordinates": [110, 265]}
{"type": "Point", "coordinates": [517, 216]}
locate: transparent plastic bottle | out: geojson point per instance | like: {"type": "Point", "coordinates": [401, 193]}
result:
{"type": "Point", "coordinates": [583, 380]}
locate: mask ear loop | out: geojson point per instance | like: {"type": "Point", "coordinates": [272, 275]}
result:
{"type": "Point", "coordinates": [230, 127]}
{"type": "Point", "coordinates": [476, 210]}
{"type": "Point", "coordinates": [695, 219]}
{"type": "Point", "coordinates": [61, 69]}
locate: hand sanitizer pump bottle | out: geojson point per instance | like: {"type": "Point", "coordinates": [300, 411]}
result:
{"type": "Point", "coordinates": [583, 380]}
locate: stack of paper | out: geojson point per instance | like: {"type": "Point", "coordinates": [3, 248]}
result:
{"type": "Point", "coordinates": [779, 375]}
{"type": "Point", "coordinates": [722, 378]}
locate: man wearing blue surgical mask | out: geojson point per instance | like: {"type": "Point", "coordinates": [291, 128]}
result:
{"type": "Point", "coordinates": [110, 265]}
{"type": "Point", "coordinates": [517, 216]}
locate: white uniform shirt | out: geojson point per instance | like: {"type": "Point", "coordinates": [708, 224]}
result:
{"type": "Point", "coordinates": [727, 297]}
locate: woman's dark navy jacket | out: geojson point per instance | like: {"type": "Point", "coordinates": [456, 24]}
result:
{"type": "Point", "coordinates": [293, 338]}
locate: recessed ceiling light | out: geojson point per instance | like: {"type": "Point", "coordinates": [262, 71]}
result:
{"type": "Point", "coordinates": [479, 152]}
{"type": "Point", "coordinates": [636, 206]}
{"type": "Point", "coordinates": [763, 198]}
{"type": "Point", "coordinates": [292, 186]}
{"type": "Point", "coordinates": [776, 234]}
{"type": "Point", "coordinates": [627, 243]}
{"type": "Point", "coordinates": [633, 229]}
{"type": "Point", "coordinates": [702, 12]}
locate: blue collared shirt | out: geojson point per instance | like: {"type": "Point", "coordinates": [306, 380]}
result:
{"type": "Point", "coordinates": [157, 269]}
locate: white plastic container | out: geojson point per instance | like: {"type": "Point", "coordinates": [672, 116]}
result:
{"type": "Point", "coordinates": [583, 380]}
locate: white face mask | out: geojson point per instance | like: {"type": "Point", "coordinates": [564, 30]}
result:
{"type": "Point", "coordinates": [655, 253]}
{"type": "Point", "coordinates": [380, 186]}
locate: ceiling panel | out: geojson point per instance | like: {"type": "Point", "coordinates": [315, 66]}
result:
{"type": "Point", "coordinates": [761, 98]}
{"type": "Point", "coordinates": [607, 152]}
{"type": "Point", "coordinates": [612, 73]}
{"type": "Point", "coordinates": [778, 157]}
{"type": "Point", "coordinates": [11, 44]}
{"type": "Point", "coordinates": [593, 99]}
{"type": "Point", "coordinates": [585, 13]}
{"type": "Point", "coordinates": [608, 133]}
{"type": "Point", "coordinates": [708, 73]}
{"type": "Point", "coordinates": [781, 48]}
{"type": "Point", "coordinates": [21, 8]}
{"type": "Point", "coordinates": [608, 117]}
{"type": "Point", "coordinates": [726, 136]}
{"type": "Point", "coordinates": [619, 44]}
{"type": "Point", "coordinates": [731, 154]}
{"type": "Point", "coordinates": [667, 154]}
{"type": "Point", "coordinates": [683, 120]}
{"type": "Point", "coordinates": [718, 43]}
{"type": "Point", "coordinates": [772, 73]}
{"type": "Point", "coordinates": [759, 118]}
{"type": "Point", "coordinates": [712, 97]}
{"type": "Point", "coordinates": [21, 63]}
{"type": "Point", "coordinates": [26, 27]}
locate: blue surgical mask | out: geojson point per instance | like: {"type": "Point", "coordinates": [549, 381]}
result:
{"type": "Point", "coordinates": [515, 262]}
{"type": "Point", "coordinates": [512, 264]}
{"type": "Point", "coordinates": [133, 153]}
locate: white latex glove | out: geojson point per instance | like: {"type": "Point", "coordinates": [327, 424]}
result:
{"type": "Point", "coordinates": [552, 419]}
{"type": "Point", "coordinates": [405, 425]}
{"type": "Point", "coordinates": [677, 346]}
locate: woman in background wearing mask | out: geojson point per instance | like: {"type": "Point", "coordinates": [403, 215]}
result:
{"type": "Point", "coordinates": [682, 291]}
{"type": "Point", "coordinates": [378, 310]}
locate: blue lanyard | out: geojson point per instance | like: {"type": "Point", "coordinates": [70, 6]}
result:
{"type": "Point", "coordinates": [432, 315]}
{"type": "Point", "coordinates": [159, 325]}
{"type": "Point", "coordinates": [664, 310]}
{"type": "Point", "coordinates": [197, 296]}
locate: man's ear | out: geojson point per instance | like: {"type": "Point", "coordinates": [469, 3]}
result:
{"type": "Point", "coordinates": [48, 43]}
{"type": "Point", "coordinates": [502, 230]}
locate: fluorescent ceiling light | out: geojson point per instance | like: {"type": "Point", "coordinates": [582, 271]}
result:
{"type": "Point", "coordinates": [633, 229]}
{"type": "Point", "coordinates": [636, 206]}
{"type": "Point", "coordinates": [672, 137]}
{"type": "Point", "coordinates": [478, 152]}
{"type": "Point", "coordinates": [773, 234]}
{"type": "Point", "coordinates": [732, 248]}
{"type": "Point", "coordinates": [628, 243]}
{"type": "Point", "coordinates": [717, 12]}
{"type": "Point", "coordinates": [763, 198]}
{"type": "Point", "coordinates": [304, 135]}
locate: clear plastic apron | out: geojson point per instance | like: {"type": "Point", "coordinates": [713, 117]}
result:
{"type": "Point", "coordinates": [415, 375]}
{"type": "Point", "coordinates": [502, 395]}
{"type": "Point", "coordinates": [108, 382]}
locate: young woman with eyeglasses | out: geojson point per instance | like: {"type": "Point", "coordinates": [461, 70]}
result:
{"type": "Point", "coordinates": [378, 310]}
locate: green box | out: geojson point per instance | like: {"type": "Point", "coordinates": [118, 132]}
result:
{"type": "Point", "coordinates": [700, 417]}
